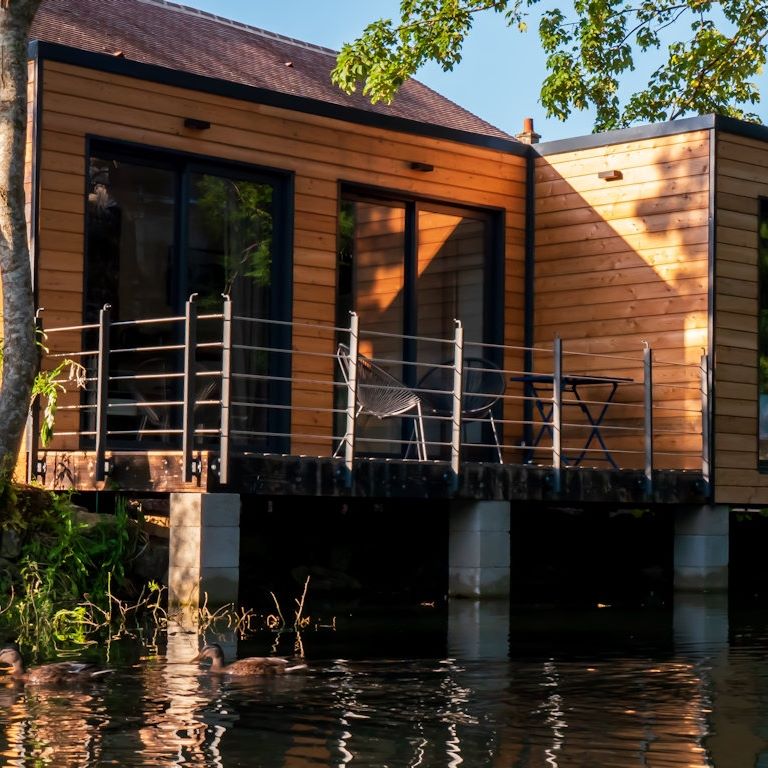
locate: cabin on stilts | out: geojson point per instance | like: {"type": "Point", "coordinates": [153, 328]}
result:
{"type": "Point", "coordinates": [273, 287]}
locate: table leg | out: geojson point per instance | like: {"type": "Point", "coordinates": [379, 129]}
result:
{"type": "Point", "coordinates": [595, 423]}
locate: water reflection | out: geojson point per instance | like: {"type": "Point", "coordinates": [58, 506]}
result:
{"type": "Point", "coordinates": [478, 629]}
{"type": "Point", "coordinates": [684, 692]}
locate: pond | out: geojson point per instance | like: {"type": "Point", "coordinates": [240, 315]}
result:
{"type": "Point", "coordinates": [428, 686]}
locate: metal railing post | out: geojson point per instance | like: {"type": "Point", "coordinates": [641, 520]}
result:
{"type": "Point", "coordinates": [33, 420]}
{"type": "Point", "coordinates": [648, 416]}
{"type": "Point", "coordinates": [458, 377]}
{"type": "Point", "coordinates": [557, 411]}
{"type": "Point", "coordinates": [349, 434]}
{"type": "Point", "coordinates": [102, 392]}
{"type": "Point", "coordinates": [226, 392]}
{"type": "Point", "coordinates": [705, 416]}
{"type": "Point", "coordinates": [188, 402]}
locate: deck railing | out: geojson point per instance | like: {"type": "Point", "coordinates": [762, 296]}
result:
{"type": "Point", "coordinates": [230, 384]}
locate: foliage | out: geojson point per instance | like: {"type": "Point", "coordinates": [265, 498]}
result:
{"type": "Point", "coordinates": [63, 561]}
{"type": "Point", "coordinates": [49, 384]}
{"type": "Point", "coordinates": [75, 558]}
{"type": "Point", "coordinates": [590, 48]}
{"type": "Point", "coordinates": [237, 217]}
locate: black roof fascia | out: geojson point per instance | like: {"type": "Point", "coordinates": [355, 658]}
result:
{"type": "Point", "coordinates": [741, 127]}
{"type": "Point", "coordinates": [670, 128]}
{"type": "Point", "coordinates": [154, 73]}
{"type": "Point", "coordinates": [637, 133]}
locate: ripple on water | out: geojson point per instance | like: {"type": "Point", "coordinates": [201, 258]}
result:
{"type": "Point", "coordinates": [653, 707]}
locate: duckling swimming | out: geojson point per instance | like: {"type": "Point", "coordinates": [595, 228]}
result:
{"type": "Point", "coordinates": [253, 665]}
{"type": "Point", "coordinates": [50, 674]}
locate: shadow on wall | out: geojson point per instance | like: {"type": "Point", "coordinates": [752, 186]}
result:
{"type": "Point", "coordinates": [623, 262]}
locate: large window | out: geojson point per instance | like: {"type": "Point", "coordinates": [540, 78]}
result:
{"type": "Point", "coordinates": [409, 268]}
{"type": "Point", "coordinates": [161, 227]}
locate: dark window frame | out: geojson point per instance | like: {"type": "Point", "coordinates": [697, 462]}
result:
{"type": "Point", "coordinates": [494, 267]}
{"type": "Point", "coordinates": [183, 164]}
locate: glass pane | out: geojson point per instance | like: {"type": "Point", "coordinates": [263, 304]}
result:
{"type": "Point", "coordinates": [450, 278]}
{"type": "Point", "coordinates": [229, 242]}
{"type": "Point", "coordinates": [372, 240]}
{"type": "Point", "coordinates": [450, 267]}
{"type": "Point", "coordinates": [130, 231]}
{"type": "Point", "coordinates": [229, 251]}
{"type": "Point", "coordinates": [129, 240]}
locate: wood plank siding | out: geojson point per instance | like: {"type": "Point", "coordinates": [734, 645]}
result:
{"type": "Point", "coordinates": [742, 177]}
{"type": "Point", "coordinates": [622, 262]}
{"type": "Point", "coordinates": [320, 151]}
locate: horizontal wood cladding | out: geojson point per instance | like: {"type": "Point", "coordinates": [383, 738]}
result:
{"type": "Point", "coordinates": [319, 151]}
{"type": "Point", "coordinates": [742, 177]}
{"type": "Point", "coordinates": [624, 262]}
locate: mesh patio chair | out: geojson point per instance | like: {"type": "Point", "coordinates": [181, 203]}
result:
{"type": "Point", "coordinates": [482, 386]}
{"type": "Point", "coordinates": [381, 395]}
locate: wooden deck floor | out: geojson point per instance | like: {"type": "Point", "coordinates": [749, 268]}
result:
{"type": "Point", "coordinates": [271, 475]}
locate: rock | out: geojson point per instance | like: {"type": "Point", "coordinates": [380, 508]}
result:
{"type": "Point", "coordinates": [10, 548]}
{"type": "Point", "coordinates": [152, 563]}
{"type": "Point", "coordinates": [91, 519]}
{"type": "Point", "coordinates": [9, 570]}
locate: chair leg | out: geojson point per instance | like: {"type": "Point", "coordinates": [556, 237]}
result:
{"type": "Point", "coordinates": [344, 439]}
{"type": "Point", "coordinates": [418, 437]}
{"type": "Point", "coordinates": [495, 436]}
{"type": "Point", "coordinates": [422, 443]}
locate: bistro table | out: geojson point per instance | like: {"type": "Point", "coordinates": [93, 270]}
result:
{"type": "Point", "coordinates": [540, 385]}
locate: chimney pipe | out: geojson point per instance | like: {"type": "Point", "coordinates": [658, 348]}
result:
{"type": "Point", "coordinates": [528, 135]}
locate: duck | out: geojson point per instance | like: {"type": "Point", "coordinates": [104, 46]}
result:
{"type": "Point", "coordinates": [251, 666]}
{"type": "Point", "coordinates": [56, 673]}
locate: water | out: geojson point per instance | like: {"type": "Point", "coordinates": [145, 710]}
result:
{"type": "Point", "coordinates": [470, 686]}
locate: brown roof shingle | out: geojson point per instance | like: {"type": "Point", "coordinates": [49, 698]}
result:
{"type": "Point", "coordinates": [180, 38]}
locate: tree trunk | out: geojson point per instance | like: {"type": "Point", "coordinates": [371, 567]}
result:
{"type": "Point", "coordinates": [19, 354]}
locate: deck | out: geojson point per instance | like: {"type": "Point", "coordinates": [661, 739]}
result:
{"type": "Point", "coordinates": [220, 402]}
{"type": "Point", "coordinates": [270, 475]}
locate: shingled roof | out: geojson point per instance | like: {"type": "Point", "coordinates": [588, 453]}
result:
{"type": "Point", "coordinates": [185, 39]}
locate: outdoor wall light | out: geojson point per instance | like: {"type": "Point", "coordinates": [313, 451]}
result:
{"type": "Point", "coordinates": [195, 124]}
{"type": "Point", "coordinates": [610, 175]}
{"type": "Point", "coordinates": [421, 167]}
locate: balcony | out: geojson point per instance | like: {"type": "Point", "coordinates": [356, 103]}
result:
{"type": "Point", "coordinates": [219, 401]}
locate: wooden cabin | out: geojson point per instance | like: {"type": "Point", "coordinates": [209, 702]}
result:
{"type": "Point", "coordinates": [173, 152]}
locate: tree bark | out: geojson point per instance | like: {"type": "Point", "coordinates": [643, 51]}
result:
{"type": "Point", "coordinates": [19, 353]}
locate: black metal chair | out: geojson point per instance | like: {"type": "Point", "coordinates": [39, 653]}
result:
{"type": "Point", "coordinates": [482, 384]}
{"type": "Point", "coordinates": [382, 395]}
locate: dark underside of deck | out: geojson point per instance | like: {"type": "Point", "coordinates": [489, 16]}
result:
{"type": "Point", "coordinates": [278, 475]}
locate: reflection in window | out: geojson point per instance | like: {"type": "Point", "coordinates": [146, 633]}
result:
{"type": "Point", "coordinates": [131, 219]}
{"type": "Point", "coordinates": [763, 329]}
{"type": "Point", "coordinates": [230, 241]}
{"type": "Point", "coordinates": [452, 251]}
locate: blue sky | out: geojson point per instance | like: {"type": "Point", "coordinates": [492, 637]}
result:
{"type": "Point", "coordinates": [498, 79]}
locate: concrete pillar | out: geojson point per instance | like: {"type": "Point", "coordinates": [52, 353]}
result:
{"type": "Point", "coordinates": [701, 548]}
{"type": "Point", "coordinates": [478, 549]}
{"type": "Point", "coordinates": [204, 553]}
